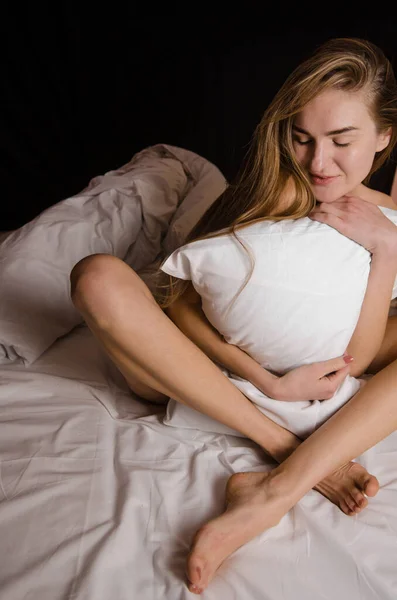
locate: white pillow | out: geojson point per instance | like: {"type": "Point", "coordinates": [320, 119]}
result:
{"type": "Point", "coordinates": [125, 213]}
{"type": "Point", "coordinates": [300, 306]}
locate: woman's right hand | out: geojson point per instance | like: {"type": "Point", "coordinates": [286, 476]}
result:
{"type": "Point", "coordinates": [362, 222]}
{"type": "Point", "coordinates": [316, 381]}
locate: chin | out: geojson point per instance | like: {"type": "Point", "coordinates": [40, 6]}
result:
{"type": "Point", "coordinates": [327, 198]}
{"type": "Point", "coordinates": [329, 195]}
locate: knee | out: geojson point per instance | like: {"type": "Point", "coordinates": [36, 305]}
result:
{"type": "Point", "coordinates": [89, 273]}
{"type": "Point", "coordinates": [99, 282]}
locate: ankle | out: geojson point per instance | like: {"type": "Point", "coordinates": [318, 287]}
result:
{"type": "Point", "coordinates": [280, 484]}
{"type": "Point", "coordinates": [282, 447]}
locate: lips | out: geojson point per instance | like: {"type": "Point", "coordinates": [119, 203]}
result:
{"type": "Point", "coordinates": [321, 180]}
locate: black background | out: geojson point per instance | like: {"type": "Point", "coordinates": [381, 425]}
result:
{"type": "Point", "coordinates": [83, 90]}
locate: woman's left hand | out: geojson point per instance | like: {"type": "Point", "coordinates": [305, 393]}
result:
{"type": "Point", "coordinates": [362, 222]}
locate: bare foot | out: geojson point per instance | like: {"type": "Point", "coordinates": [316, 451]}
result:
{"type": "Point", "coordinates": [346, 487]}
{"type": "Point", "coordinates": [253, 504]}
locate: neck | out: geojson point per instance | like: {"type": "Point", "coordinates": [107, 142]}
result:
{"type": "Point", "coordinates": [373, 196]}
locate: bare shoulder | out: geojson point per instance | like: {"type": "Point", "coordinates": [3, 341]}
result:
{"type": "Point", "coordinates": [387, 201]}
{"type": "Point", "coordinates": [379, 198]}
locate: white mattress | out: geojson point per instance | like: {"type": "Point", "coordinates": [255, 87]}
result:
{"type": "Point", "coordinates": [99, 499]}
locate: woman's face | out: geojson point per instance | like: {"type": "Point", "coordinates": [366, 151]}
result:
{"type": "Point", "coordinates": [335, 141]}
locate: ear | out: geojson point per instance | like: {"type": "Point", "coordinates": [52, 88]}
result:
{"type": "Point", "coordinates": [383, 140]}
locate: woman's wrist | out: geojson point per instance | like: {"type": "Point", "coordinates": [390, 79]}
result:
{"type": "Point", "coordinates": [267, 383]}
{"type": "Point", "coordinates": [386, 255]}
{"type": "Point", "coordinates": [246, 367]}
{"type": "Point", "coordinates": [384, 266]}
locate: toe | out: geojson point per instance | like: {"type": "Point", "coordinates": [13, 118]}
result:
{"type": "Point", "coordinates": [367, 484]}
{"type": "Point", "coordinates": [371, 486]}
{"type": "Point", "coordinates": [195, 589]}
{"type": "Point", "coordinates": [349, 500]}
{"type": "Point", "coordinates": [359, 498]}
{"type": "Point", "coordinates": [345, 508]}
{"type": "Point", "coordinates": [194, 572]}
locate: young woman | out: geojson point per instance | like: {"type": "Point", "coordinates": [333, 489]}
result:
{"type": "Point", "coordinates": [331, 125]}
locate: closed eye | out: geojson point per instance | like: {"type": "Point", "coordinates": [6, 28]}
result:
{"type": "Point", "coordinates": [306, 142]}
{"type": "Point", "coordinates": [302, 142]}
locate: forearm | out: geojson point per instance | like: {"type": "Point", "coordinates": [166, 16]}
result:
{"type": "Point", "coordinates": [370, 329]}
{"type": "Point", "coordinates": [190, 319]}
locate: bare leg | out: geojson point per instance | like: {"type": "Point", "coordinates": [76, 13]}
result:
{"type": "Point", "coordinates": [159, 361]}
{"type": "Point", "coordinates": [150, 351]}
{"type": "Point", "coordinates": [256, 501]}
{"type": "Point", "coordinates": [141, 389]}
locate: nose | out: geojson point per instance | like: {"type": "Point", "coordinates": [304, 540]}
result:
{"type": "Point", "coordinates": [318, 159]}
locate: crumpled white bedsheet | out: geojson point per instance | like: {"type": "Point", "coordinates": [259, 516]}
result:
{"type": "Point", "coordinates": [99, 499]}
{"type": "Point", "coordinates": [139, 212]}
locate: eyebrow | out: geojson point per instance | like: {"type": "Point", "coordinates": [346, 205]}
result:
{"type": "Point", "coordinates": [334, 132]}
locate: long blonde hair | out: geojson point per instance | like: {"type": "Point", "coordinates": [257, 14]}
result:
{"type": "Point", "coordinates": [270, 166]}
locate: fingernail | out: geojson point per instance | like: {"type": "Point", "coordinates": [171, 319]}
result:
{"type": "Point", "coordinates": [195, 589]}
{"type": "Point", "coordinates": [347, 358]}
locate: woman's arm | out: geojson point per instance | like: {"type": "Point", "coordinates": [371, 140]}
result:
{"type": "Point", "coordinates": [309, 382]}
{"type": "Point", "coordinates": [365, 223]}
{"type": "Point", "coordinates": [187, 314]}
{"type": "Point", "coordinates": [371, 326]}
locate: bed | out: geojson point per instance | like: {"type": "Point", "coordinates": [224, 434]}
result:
{"type": "Point", "coordinates": [99, 495]}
